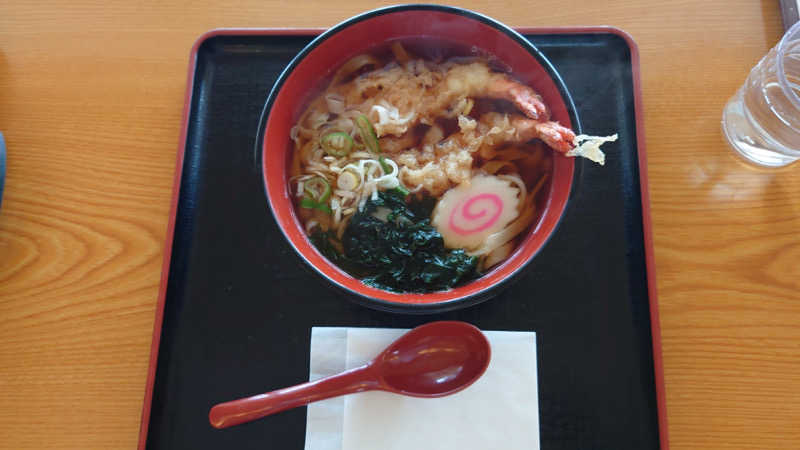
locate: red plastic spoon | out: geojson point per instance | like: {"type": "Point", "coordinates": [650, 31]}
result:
{"type": "Point", "coordinates": [432, 360]}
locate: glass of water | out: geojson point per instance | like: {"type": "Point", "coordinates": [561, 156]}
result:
{"type": "Point", "coordinates": [762, 120]}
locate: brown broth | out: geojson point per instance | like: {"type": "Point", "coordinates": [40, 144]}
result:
{"type": "Point", "coordinates": [530, 169]}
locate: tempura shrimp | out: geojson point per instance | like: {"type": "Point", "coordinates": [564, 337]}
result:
{"type": "Point", "coordinates": [476, 80]}
{"type": "Point", "coordinates": [419, 95]}
{"type": "Point", "coordinates": [556, 136]}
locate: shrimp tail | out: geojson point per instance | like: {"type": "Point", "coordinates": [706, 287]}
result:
{"type": "Point", "coordinates": [523, 97]}
{"type": "Point", "coordinates": [556, 136]}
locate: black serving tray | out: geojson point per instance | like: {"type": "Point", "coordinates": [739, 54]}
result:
{"type": "Point", "coordinates": [236, 307]}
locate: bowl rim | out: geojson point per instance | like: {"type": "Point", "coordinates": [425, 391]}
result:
{"type": "Point", "coordinates": [435, 306]}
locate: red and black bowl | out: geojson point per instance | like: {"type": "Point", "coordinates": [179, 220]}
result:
{"type": "Point", "coordinates": [303, 77]}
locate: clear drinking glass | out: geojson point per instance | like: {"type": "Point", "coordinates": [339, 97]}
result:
{"type": "Point", "coordinates": [762, 120]}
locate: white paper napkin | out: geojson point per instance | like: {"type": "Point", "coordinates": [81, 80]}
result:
{"type": "Point", "coordinates": [502, 406]}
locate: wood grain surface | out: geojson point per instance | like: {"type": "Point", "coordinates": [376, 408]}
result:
{"type": "Point", "coordinates": [91, 94]}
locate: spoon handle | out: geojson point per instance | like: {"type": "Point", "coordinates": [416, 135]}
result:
{"type": "Point", "coordinates": [248, 409]}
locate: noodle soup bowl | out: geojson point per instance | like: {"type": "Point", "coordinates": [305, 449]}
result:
{"type": "Point", "coordinates": [305, 77]}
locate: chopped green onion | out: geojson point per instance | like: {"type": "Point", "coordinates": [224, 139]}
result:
{"type": "Point", "coordinates": [370, 138]}
{"type": "Point", "coordinates": [347, 181]}
{"type": "Point", "coordinates": [311, 204]}
{"type": "Point", "coordinates": [402, 191]}
{"type": "Point", "coordinates": [337, 143]}
{"type": "Point", "coordinates": [368, 135]}
{"type": "Point", "coordinates": [318, 189]}
{"type": "Point", "coordinates": [387, 169]}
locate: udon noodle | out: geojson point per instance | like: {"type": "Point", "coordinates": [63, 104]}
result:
{"type": "Point", "coordinates": [455, 134]}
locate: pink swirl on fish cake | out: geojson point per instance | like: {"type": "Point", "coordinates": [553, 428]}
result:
{"type": "Point", "coordinates": [466, 212]}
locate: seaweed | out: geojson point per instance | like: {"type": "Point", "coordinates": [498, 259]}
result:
{"type": "Point", "coordinates": [390, 244]}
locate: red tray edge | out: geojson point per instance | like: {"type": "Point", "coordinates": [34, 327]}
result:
{"type": "Point", "coordinates": [655, 324]}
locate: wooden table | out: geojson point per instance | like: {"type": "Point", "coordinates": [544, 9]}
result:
{"type": "Point", "coordinates": [91, 94]}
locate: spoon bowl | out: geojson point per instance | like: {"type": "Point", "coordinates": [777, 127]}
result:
{"type": "Point", "coordinates": [432, 360]}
